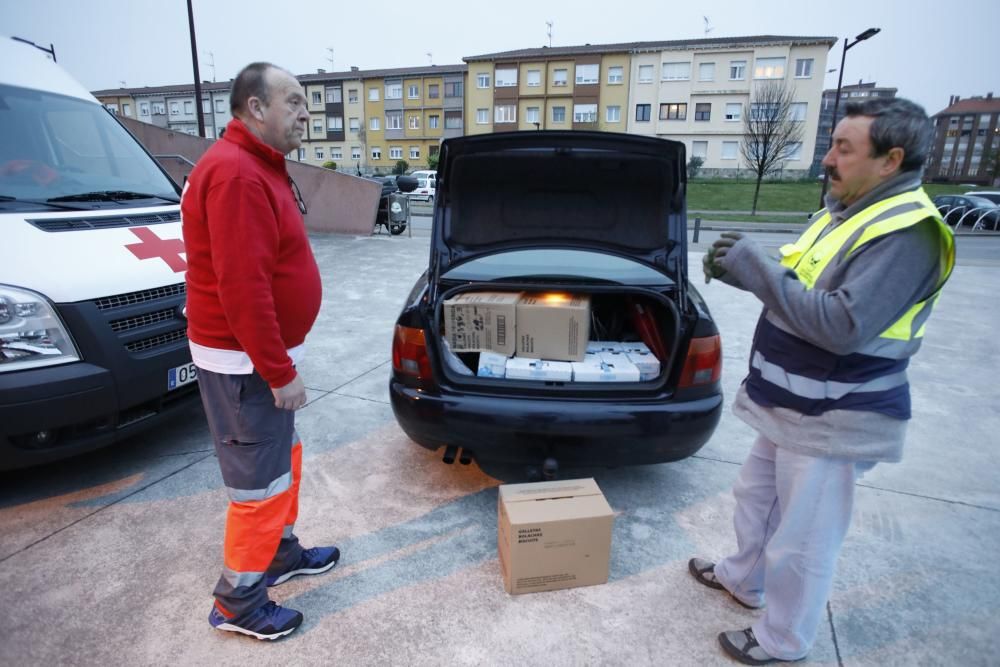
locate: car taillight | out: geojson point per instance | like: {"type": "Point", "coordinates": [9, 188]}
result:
{"type": "Point", "coordinates": [409, 353]}
{"type": "Point", "coordinates": [703, 364]}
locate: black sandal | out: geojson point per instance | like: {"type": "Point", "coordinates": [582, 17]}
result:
{"type": "Point", "coordinates": [741, 645]}
{"type": "Point", "coordinates": [703, 572]}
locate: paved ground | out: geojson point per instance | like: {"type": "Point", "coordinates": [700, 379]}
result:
{"type": "Point", "coordinates": [110, 558]}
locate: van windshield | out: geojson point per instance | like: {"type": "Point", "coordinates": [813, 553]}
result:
{"type": "Point", "coordinates": [53, 146]}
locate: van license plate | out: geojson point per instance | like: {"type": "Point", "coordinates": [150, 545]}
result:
{"type": "Point", "coordinates": [182, 375]}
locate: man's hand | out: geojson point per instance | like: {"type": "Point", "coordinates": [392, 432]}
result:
{"type": "Point", "coordinates": [710, 268]}
{"type": "Point", "coordinates": [292, 396]}
{"type": "Point", "coordinates": [724, 244]}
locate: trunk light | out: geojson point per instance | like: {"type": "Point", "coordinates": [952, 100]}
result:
{"type": "Point", "coordinates": [409, 353]}
{"type": "Point", "coordinates": [703, 364]}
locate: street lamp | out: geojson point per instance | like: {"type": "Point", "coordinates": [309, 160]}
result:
{"type": "Point", "coordinates": [867, 34]}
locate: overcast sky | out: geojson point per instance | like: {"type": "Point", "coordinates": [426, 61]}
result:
{"type": "Point", "coordinates": [928, 49]}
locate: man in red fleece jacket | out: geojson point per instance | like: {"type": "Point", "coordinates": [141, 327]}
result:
{"type": "Point", "coordinates": [253, 293]}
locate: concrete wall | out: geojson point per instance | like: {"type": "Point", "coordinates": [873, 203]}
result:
{"type": "Point", "coordinates": [337, 203]}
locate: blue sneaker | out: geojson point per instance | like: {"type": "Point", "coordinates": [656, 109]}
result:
{"type": "Point", "coordinates": [312, 561]}
{"type": "Point", "coordinates": [267, 622]}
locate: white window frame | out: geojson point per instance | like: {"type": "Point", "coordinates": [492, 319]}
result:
{"type": "Point", "coordinates": [355, 152]}
{"type": "Point", "coordinates": [533, 78]}
{"type": "Point", "coordinates": [354, 124]}
{"type": "Point", "coordinates": [483, 80]}
{"type": "Point", "coordinates": [336, 153]}
{"type": "Point", "coordinates": [373, 124]}
{"type": "Point", "coordinates": [413, 122]}
{"type": "Point", "coordinates": [586, 75]}
{"type": "Point", "coordinates": [395, 152]}
{"type": "Point", "coordinates": [676, 71]}
{"type": "Point", "coordinates": [220, 106]}
{"type": "Point", "coordinates": [317, 97]}
{"type": "Point", "coordinates": [454, 126]}
{"type": "Point", "coordinates": [560, 77]}
{"type": "Point", "coordinates": [302, 153]}
{"type": "Point", "coordinates": [206, 106]}
{"type": "Point", "coordinates": [734, 115]}
{"type": "Point", "coordinates": [734, 148]}
{"type": "Point", "coordinates": [562, 111]}
{"type": "Point", "coordinates": [613, 114]}
{"type": "Point", "coordinates": [188, 107]}
{"type": "Point", "coordinates": [317, 125]}
{"type": "Point", "coordinates": [334, 123]}
{"type": "Point", "coordinates": [175, 108]}
{"type": "Point", "coordinates": [413, 91]}
{"type": "Point", "coordinates": [505, 113]}
{"type": "Point", "coordinates": [433, 121]}
{"type": "Point", "coordinates": [144, 108]}
{"type": "Point", "coordinates": [394, 120]}
{"type": "Point", "coordinates": [703, 154]}
{"type": "Point", "coordinates": [373, 95]}
{"type": "Point", "coordinates": [737, 70]}
{"type": "Point", "coordinates": [804, 68]}
{"type": "Point", "coordinates": [584, 113]}
{"type": "Point", "coordinates": [394, 91]}
{"type": "Point", "coordinates": [352, 95]}
{"type": "Point", "coordinates": [376, 152]}
{"type": "Point", "coordinates": [318, 153]}
{"type": "Point", "coordinates": [532, 115]}
{"type": "Point", "coordinates": [793, 152]}
{"type": "Point", "coordinates": [482, 116]}
{"type": "Point", "coordinates": [769, 68]}
{"type": "Point", "coordinates": [414, 152]}
{"type": "Point", "coordinates": [505, 78]}
{"type": "Point", "coordinates": [613, 77]}
{"type": "Point", "coordinates": [334, 95]}
{"type": "Point", "coordinates": [797, 111]}
{"type": "Point", "coordinates": [706, 67]}
{"type": "Point", "coordinates": [646, 73]}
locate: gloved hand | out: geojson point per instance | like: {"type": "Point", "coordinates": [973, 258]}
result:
{"type": "Point", "coordinates": [711, 262]}
{"type": "Point", "coordinates": [710, 268]}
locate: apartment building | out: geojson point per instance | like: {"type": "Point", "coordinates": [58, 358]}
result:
{"type": "Point", "coordinates": [966, 141]}
{"type": "Point", "coordinates": [849, 93]}
{"type": "Point", "coordinates": [694, 91]}
{"type": "Point", "coordinates": [367, 120]}
{"type": "Point", "coordinates": [172, 107]}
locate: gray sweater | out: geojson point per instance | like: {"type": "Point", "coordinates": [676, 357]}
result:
{"type": "Point", "coordinates": [871, 290]}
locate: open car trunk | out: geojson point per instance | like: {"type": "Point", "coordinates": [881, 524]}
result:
{"type": "Point", "coordinates": [633, 335]}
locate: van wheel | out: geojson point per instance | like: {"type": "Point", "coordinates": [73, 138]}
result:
{"type": "Point", "coordinates": [430, 201]}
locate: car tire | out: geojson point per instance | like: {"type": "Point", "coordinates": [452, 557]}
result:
{"type": "Point", "coordinates": [396, 230]}
{"type": "Point", "coordinates": [430, 201]}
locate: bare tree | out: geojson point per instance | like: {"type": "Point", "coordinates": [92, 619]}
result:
{"type": "Point", "coordinates": [769, 133]}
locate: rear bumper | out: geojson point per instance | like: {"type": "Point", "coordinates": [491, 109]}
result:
{"type": "Point", "coordinates": [575, 432]}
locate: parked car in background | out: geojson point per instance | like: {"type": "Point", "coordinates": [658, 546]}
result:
{"type": "Point", "coordinates": [969, 210]}
{"type": "Point", "coordinates": [426, 185]}
{"type": "Point", "coordinates": [992, 195]}
{"type": "Point", "coordinates": [523, 213]}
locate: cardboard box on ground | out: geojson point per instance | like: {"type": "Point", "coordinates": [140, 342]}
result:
{"type": "Point", "coordinates": [553, 535]}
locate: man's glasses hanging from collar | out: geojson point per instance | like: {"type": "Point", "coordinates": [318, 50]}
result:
{"type": "Point", "coordinates": [298, 196]}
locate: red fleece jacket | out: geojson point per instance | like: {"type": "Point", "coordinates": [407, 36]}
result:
{"type": "Point", "coordinates": [252, 281]}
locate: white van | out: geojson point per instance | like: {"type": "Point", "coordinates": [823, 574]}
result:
{"type": "Point", "coordinates": [93, 343]}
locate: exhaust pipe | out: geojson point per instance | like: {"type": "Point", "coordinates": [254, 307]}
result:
{"type": "Point", "coordinates": [465, 458]}
{"type": "Point", "coordinates": [449, 454]}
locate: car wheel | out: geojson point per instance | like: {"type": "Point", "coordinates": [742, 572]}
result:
{"type": "Point", "coordinates": [430, 201]}
{"type": "Point", "coordinates": [397, 229]}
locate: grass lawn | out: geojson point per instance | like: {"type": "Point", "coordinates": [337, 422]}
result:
{"type": "Point", "coordinates": [797, 196]}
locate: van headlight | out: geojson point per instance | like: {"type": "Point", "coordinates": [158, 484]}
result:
{"type": "Point", "coordinates": [31, 333]}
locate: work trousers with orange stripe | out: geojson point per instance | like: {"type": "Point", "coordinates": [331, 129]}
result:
{"type": "Point", "coordinates": [260, 457]}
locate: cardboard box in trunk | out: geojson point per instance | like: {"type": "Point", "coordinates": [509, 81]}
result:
{"type": "Point", "coordinates": [553, 326]}
{"type": "Point", "coordinates": [553, 535]}
{"type": "Point", "coordinates": [481, 321]}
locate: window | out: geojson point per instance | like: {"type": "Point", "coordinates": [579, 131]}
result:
{"type": "Point", "coordinates": [673, 111]}
{"type": "Point", "coordinates": [699, 149]}
{"type": "Point", "coordinates": [453, 89]}
{"type": "Point", "coordinates": [534, 77]}
{"type": "Point", "coordinates": [317, 126]}
{"type": "Point", "coordinates": [355, 152]}
{"type": "Point", "coordinates": [127, 108]}
{"type": "Point", "coordinates": [352, 96]}
{"type": "Point", "coordinates": [433, 150]}
{"type": "Point", "coordinates": [335, 123]}
{"type": "Point", "coordinates": [734, 111]}
{"type": "Point", "coordinates": [373, 95]}
{"type": "Point", "coordinates": [413, 122]}
{"type": "Point", "coordinates": [373, 123]}
{"type": "Point", "coordinates": [414, 152]}
{"type": "Point", "coordinates": [586, 74]}
{"type": "Point", "coordinates": [334, 96]}
{"type": "Point", "coordinates": [642, 112]}
{"type": "Point", "coordinates": [376, 152]}
{"type": "Point", "coordinates": [613, 114]}
{"type": "Point", "coordinates": [505, 113]}
{"type": "Point", "coordinates": [616, 74]}
{"type": "Point", "coordinates": [336, 153]}
{"type": "Point", "coordinates": [645, 73]}
{"type": "Point", "coordinates": [393, 91]}
{"type": "Point", "coordinates": [482, 80]}
{"type": "Point", "coordinates": [317, 97]}
{"type": "Point", "coordinates": [559, 77]}
{"type": "Point", "coordinates": [113, 108]}
{"type": "Point", "coordinates": [769, 68]}
{"type": "Point", "coordinates": [729, 149]}
{"type": "Point", "coordinates": [706, 72]}
{"type": "Point", "coordinates": [793, 151]}
{"type": "Point", "coordinates": [434, 121]}
{"type": "Point", "coordinates": [482, 116]}
{"type": "Point", "coordinates": [453, 120]}
{"type": "Point", "coordinates": [559, 114]}
{"type": "Point", "coordinates": [584, 113]}
{"type": "Point", "coordinates": [354, 125]}
{"type": "Point", "coordinates": [395, 152]}
{"type": "Point", "coordinates": [531, 115]}
{"type": "Point", "coordinates": [318, 152]}
{"type": "Point", "coordinates": [302, 154]}
{"type": "Point", "coordinates": [413, 91]}
{"type": "Point", "coordinates": [703, 111]}
{"type": "Point", "coordinates": [394, 120]}
{"type": "Point", "coordinates": [797, 111]}
{"type": "Point", "coordinates": [175, 108]}
{"type": "Point", "coordinates": [506, 78]}
{"type": "Point", "coordinates": [803, 68]}
{"type": "Point", "coordinates": [159, 108]}
{"type": "Point", "coordinates": [767, 112]}
{"type": "Point", "coordinates": [433, 91]}
{"type": "Point", "coordinates": [676, 71]}
{"type": "Point", "coordinates": [220, 106]}
{"type": "Point", "coordinates": [143, 109]}
{"type": "Point", "coordinates": [737, 70]}
{"type": "Point", "coordinates": [206, 106]}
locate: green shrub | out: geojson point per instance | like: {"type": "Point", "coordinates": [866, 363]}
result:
{"type": "Point", "coordinates": [330, 164]}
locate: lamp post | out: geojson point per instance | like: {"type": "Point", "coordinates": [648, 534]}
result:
{"type": "Point", "coordinates": [867, 34]}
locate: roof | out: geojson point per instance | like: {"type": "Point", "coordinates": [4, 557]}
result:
{"type": "Point", "coordinates": [426, 70]}
{"type": "Point", "coordinates": [972, 105]}
{"type": "Point", "coordinates": [161, 90]}
{"type": "Point", "coordinates": [637, 47]}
